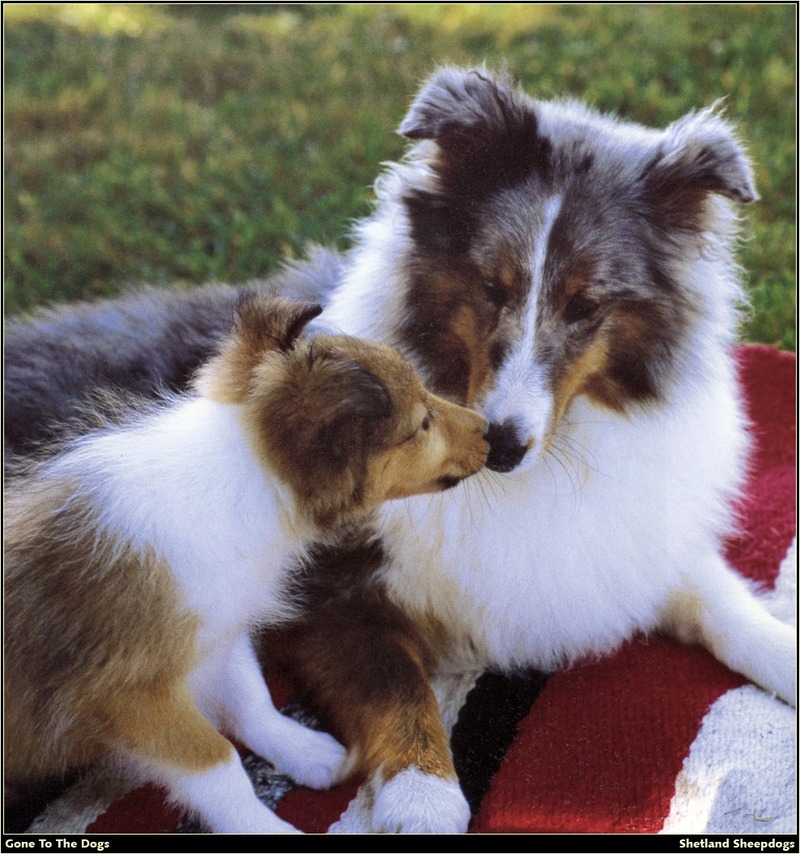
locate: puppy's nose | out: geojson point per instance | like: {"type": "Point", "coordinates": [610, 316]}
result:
{"type": "Point", "coordinates": [506, 450]}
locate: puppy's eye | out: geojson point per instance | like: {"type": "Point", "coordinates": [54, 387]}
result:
{"type": "Point", "coordinates": [496, 292]}
{"type": "Point", "coordinates": [579, 309]}
{"type": "Point", "coordinates": [424, 426]}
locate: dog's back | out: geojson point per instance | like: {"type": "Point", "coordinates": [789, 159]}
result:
{"type": "Point", "coordinates": [145, 342]}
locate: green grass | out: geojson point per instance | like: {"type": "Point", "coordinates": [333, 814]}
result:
{"type": "Point", "coordinates": [180, 144]}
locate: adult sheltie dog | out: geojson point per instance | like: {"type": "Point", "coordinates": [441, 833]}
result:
{"type": "Point", "coordinates": [571, 277]}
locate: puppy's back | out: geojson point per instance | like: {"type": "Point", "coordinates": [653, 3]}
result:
{"type": "Point", "coordinates": [88, 622]}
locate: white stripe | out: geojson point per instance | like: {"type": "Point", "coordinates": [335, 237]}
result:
{"type": "Point", "coordinates": [550, 210]}
{"type": "Point", "coordinates": [522, 355]}
{"type": "Point", "coordinates": [520, 391]}
{"type": "Point", "coordinates": [87, 800]}
{"type": "Point", "coordinates": [741, 772]}
{"type": "Point", "coordinates": [740, 775]}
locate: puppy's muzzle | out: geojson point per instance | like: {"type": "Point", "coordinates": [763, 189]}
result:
{"type": "Point", "coordinates": [506, 449]}
{"type": "Point", "coordinates": [475, 449]}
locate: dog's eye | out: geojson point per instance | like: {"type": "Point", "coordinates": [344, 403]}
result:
{"type": "Point", "coordinates": [424, 426]}
{"type": "Point", "coordinates": [578, 309]}
{"type": "Point", "coordinates": [496, 292]}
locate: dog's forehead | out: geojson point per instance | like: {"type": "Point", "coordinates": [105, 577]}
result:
{"type": "Point", "coordinates": [574, 130]}
{"type": "Point", "coordinates": [601, 154]}
{"type": "Point", "coordinates": [393, 371]}
{"type": "Point", "coordinates": [579, 216]}
{"type": "Point", "coordinates": [595, 166]}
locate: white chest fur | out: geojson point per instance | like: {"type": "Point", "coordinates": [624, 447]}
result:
{"type": "Point", "coordinates": [582, 549]}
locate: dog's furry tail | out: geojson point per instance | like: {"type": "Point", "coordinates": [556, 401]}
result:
{"type": "Point", "coordinates": [142, 343]}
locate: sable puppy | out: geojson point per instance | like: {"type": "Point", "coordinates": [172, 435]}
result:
{"type": "Point", "coordinates": [142, 555]}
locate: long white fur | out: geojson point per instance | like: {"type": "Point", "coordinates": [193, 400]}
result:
{"type": "Point", "coordinates": [198, 448]}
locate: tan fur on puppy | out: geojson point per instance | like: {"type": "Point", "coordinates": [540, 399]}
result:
{"type": "Point", "coordinates": [140, 557]}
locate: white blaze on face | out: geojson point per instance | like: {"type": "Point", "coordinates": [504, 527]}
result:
{"type": "Point", "coordinates": [520, 394]}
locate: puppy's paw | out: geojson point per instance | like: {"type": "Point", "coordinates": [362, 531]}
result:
{"type": "Point", "coordinates": [310, 757]}
{"type": "Point", "coordinates": [314, 759]}
{"type": "Point", "coordinates": [410, 802]}
{"type": "Point", "coordinates": [415, 802]}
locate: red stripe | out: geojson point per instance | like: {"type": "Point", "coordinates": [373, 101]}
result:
{"type": "Point", "coordinates": [144, 810]}
{"type": "Point", "coordinates": [601, 747]}
{"type": "Point", "coordinates": [315, 812]}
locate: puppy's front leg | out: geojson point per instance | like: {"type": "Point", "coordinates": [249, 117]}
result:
{"type": "Point", "coordinates": [367, 673]}
{"type": "Point", "coordinates": [311, 758]}
{"type": "Point", "coordinates": [164, 733]}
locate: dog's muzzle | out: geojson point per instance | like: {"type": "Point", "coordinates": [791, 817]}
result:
{"type": "Point", "coordinates": [506, 450]}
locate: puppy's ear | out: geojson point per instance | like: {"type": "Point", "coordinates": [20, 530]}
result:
{"type": "Point", "coordinates": [352, 404]}
{"type": "Point", "coordinates": [486, 131]}
{"type": "Point", "coordinates": [271, 323]}
{"type": "Point", "coordinates": [320, 427]}
{"type": "Point", "coordinates": [260, 324]}
{"type": "Point", "coordinates": [698, 155]}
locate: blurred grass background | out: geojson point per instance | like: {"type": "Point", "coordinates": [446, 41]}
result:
{"type": "Point", "coordinates": [186, 143]}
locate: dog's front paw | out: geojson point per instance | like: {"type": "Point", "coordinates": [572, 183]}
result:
{"type": "Point", "coordinates": [410, 802]}
{"type": "Point", "coordinates": [415, 802]}
{"type": "Point", "coordinates": [315, 760]}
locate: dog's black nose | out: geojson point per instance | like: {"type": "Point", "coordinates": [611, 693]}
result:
{"type": "Point", "coordinates": [505, 448]}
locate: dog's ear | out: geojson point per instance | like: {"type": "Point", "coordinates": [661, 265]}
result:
{"type": "Point", "coordinates": [456, 106]}
{"type": "Point", "coordinates": [271, 323]}
{"type": "Point", "coordinates": [486, 130]}
{"type": "Point", "coordinates": [697, 156]}
{"type": "Point", "coordinates": [352, 403]}
{"type": "Point", "coordinates": [260, 324]}
{"type": "Point", "coordinates": [321, 427]}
